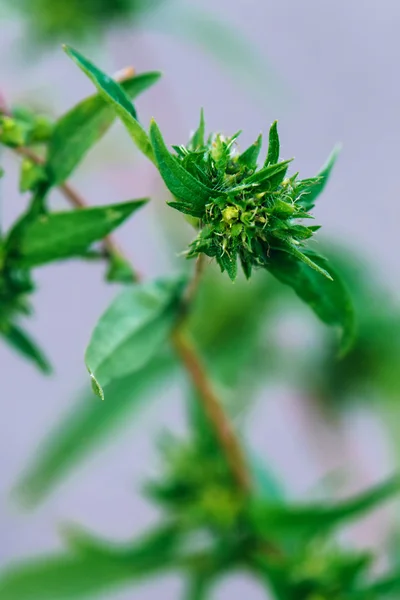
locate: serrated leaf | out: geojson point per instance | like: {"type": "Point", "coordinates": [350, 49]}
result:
{"type": "Point", "coordinates": [250, 156]}
{"type": "Point", "coordinates": [274, 146]}
{"type": "Point", "coordinates": [18, 339]}
{"type": "Point", "coordinates": [88, 425]}
{"type": "Point", "coordinates": [228, 263]}
{"type": "Point", "coordinates": [62, 235]}
{"type": "Point", "coordinates": [328, 299]}
{"type": "Point", "coordinates": [113, 93]}
{"type": "Point", "coordinates": [180, 183]}
{"type": "Point", "coordinates": [132, 329]}
{"type": "Point", "coordinates": [93, 569]}
{"type": "Point", "coordinates": [294, 251]}
{"type": "Point", "coordinates": [197, 140]}
{"type": "Point", "coordinates": [316, 188]}
{"type": "Point", "coordinates": [84, 125]}
{"type": "Point", "coordinates": [319, 518]}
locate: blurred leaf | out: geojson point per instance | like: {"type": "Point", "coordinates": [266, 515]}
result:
{"type": "Point", "coordinates": [84, 125]}
{"type": "Point", "coordinates": [93, 569]}
{"type": "Point", "coordinates": [274, 145]}
{"type": "Point", "coordinates": [62, 235]}
{"type": "Point", "coordinates": [328, 299]}
{"type": "Point", "coordinates": [197, 140]}
{"type": "Point", "coordinates": [132, 329]}
{"type": "Point", "coordinates": [32, 175]}
{"type": "Point", "coordinates": [178, 180]}
{"type": "Point", "coordinates": [223, 42]}
{"type": "Point", "coordinates": [18, 339]}
{"type": "Point", "coordinates": [315, 189]}
{"type": "Point", "coordinates": [120, 270]}
{"type": "Point", "coordinates": [265, 485]}
{"type": "Point", "coordinates": [88, 425]}
{"type": "Point", "coordinates": [115, 96]}
{"type": "Point", "coordinates": [319, 518]}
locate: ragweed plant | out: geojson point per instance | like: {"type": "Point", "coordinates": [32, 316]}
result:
{"type": "Point", "coordinates": [220, 508]}
{"type": "Point", "coordinates": [242, 211]}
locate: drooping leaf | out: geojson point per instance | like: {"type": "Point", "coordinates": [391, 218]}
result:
{"type": "Point", "coordinates": [88, 425]}
{"type": "Point", "coordinates": [250, 156]}
{"type": "Point", "coordinates": [18, 339]}
{"type": "Point", "coordinates": [274, 146]}
{"type": "Point", "coordinates": [328, 299]}
{"type": "Point", "coordinates": [132, 329]}
{"type": "Point", "coordinates": [180, 183]}
{"type": "Point", "coordinates": [319, 518]}
{"type": "Point", "coordinates": [84, 125]}
{"type": "Point", "coordinates": [114, 95]}
{"type": "Point", "coordinates": [62, 235]}
{"type": "Point", "coordinates": [301, 256]}
{"type": "Point", "coordinates": [315, 189]}
{"type": "Point", "coordinates": [94, 568]}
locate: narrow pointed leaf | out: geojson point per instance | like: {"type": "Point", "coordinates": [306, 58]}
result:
{"type": "Point", "coordinates": [62, 235]}
{"type": "Point", "coordinates": [114, 94]}
{"type": "Point", "coordinates": [197, 140]}
{"type": "Point", "coordinates": [18, 339]}
{"type": "Point", "coordinates": [180, 183]}
{"type": "Point", "coordinates": [315, 189]}
{"type": "Point", "coordinates": [268, 172]}
{"type": "Point", "coordinates": [250, 156]}
{"type": "Point", "coordinates": [132, 329]}
{"type": "Point", "coordinates": [94, 569]}
{"type": "Point", "coordinates": [88, 425]}
{"type": "Point", "coordinates": [274, 146]}
{"type": "Point", "coordinates": [84, 125]}
{"type": "Point", "coordinates": [329, 300]}
{"type": "Point", "coordinates": [318, 518]}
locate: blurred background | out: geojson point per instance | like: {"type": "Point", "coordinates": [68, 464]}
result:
{"type": "Point", "coordinates": [327, 72]}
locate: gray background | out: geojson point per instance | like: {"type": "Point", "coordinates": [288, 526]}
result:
{"type": "Point", "coordinates": [338, 81]}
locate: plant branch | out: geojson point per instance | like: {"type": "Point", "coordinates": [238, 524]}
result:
{"type": "Point", "coordinates": [213, 409]}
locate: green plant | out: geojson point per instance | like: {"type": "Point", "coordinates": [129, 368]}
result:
{"type": "Point", "coordinates": [221, 509]}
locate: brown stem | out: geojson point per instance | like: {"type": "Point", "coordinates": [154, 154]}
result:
{"type": "Point", "coordinates": [212, 407]}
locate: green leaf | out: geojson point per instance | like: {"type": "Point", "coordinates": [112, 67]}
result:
{"type": "Point", "coordinates": [328, 299]}
{"type": "Point", "coordinates": [197, 140]}
{"type": "Point", "coordinates": [84, 125]}
{"type": "Point", "coordinates": [315, 189]}
{"type": "Point", "coordinates": [95, 568]}
{"type": "Point", "coordinates": [318, 518]}
{"type": "Point", "coordinates": [120, 270]}
{"type": "Point", "coordinates": [180, 182]}
{"type": "Point", "coordinates": [294, 251]}
{"type": "Point", "coordinates": [132, 329]}
{"type": "Point", "coordinates": [32, 175]}
{"type": "Point", "coordinates": [267, 173]}
{"type": "Point", "coordinates": [264, 483]}
{"type": "Point", "coordinates": [250, 156]}
{"type": "Point", "coordinates": [62, 235]}
{"type": "Point", "coordinates": [113, 93]}
{"type": "Point", "coordinates": [18, 339]}
{"type": "Point", "coordinates": [90, 424]}
{"type": "Point", "coordinates": [273, 146]}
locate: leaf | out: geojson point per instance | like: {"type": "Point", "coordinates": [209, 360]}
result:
{"type": "Point", "coordinates": [328, 299]}
{"type": "Point", "coordinates": [250, 156]}
{"type": "Point", "coordinates": [180, 183]}
{"type": "Point", "coordinates": [92, 570]}
{"type": "Point", "coordinates": [62, 235]}
{"type": "Point", "coordinates": [316, 188]}
{"type": "Point", "coordinates": [120, 270]}
{"type": "Point", "coordinates": [197, 140]}
{"type": "Point", "coordinates": [267, 173]}
{"type": "Point", "coordinates": [84, 125]}
{"type": "Point", "coordinates": [293, 251]}
{"type": "Point", "coordinates": [318, 518]}
{"type": "Point", "coordinates": [273, 146]}
{"type": "Point", "coordinates": [32, 175]}
{"type": "Point", "coordinates": [18, 339]}
{"type": "Point", "coordinates": [88, 425]}
{"type": "Point", "coordinates": [264, 483]}
{"type": "Point", "coordinates": [132, 329]}
{"type": "Point", "coordinates": [113, 93]}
